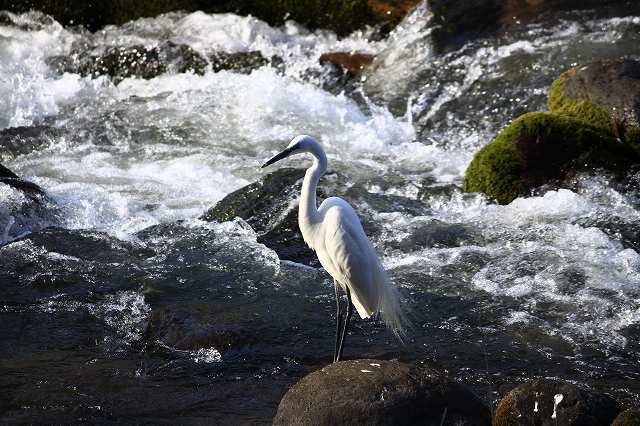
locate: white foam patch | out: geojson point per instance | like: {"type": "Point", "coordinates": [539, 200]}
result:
{"type": "Point", "coordinates": [28, 89]}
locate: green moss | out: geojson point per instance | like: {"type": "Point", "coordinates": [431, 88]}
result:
{"type": "Point", "coordinates": [539, 148]}
{"type": "Point", "coordinates": [589, 112]}
{"type": "Point", "coordinates": [496, 170]}
{"type": "Point", "coordinates": [632, 137]}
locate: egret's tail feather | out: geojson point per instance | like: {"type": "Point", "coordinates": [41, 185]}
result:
{"type": "Point", "coordinates": [390, 308]}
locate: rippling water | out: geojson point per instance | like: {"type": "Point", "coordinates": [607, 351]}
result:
{"type": "Point", "coordinates": [128, 306]}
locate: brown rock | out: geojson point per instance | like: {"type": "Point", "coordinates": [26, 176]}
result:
{"type": "Point", "coordinates": [613, 85]}
{"type": "Point", "coordinates": [628, 417]}
{"type": "Point", "coordinates": [376, 392]}
{"type": "Point", "coordinates": [354, 63]}
{"type": "Point", "coordinates": [533, 403]}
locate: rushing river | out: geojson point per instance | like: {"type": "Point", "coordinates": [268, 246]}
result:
{"type": "Point", "coordinates": [548, 285]}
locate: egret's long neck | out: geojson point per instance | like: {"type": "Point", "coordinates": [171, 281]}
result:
{"type": "Point", "coordinates": [308, 207]}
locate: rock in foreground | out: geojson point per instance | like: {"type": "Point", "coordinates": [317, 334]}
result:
{"type": "Point", "coordinates": [629, 417]}
{"type": "Point", "coordinates": [550, 402]}
{"type": "Point", "coordinates": [376, 392]}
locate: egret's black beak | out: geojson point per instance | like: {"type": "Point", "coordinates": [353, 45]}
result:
{"type": "Point", "coordinates": [278, 157]}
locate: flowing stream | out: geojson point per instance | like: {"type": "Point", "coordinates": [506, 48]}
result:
{"type": "Point", "coordinates": [117, 302]}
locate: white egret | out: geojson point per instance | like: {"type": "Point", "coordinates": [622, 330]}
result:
{"type": "Point", "coordinates": [335, 233]}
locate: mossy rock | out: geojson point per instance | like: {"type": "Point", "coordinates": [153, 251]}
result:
{"type": "Point", "coordinates": [605, 94]}
{"type": "Point", "coordinates": [629, 417]}
{"type": "Point", "coordinates": [540, 148]}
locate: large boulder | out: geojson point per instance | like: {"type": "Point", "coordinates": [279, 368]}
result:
{"type": "Point", "coordinates": [544, 402]}
{"type": "Point", "coordinates": [604, 93]}
{"type": "Point", "coordinates": [542, 148]}
{"type": "Point", "coordinates": [376, 392]}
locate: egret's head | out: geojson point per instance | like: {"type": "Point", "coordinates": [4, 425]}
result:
{"type": "Point", "coordinates": [298, 145]}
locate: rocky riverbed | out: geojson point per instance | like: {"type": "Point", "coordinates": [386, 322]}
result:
{"type": "Point", "coordinates": [150, 271]}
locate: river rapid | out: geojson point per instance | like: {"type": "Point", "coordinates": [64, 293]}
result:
{"type": "Point", "coordinates": [117, 302]}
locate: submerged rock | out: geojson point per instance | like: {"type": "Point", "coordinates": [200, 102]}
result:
{"type": "Point", "coordinates": [354, 63]}
{"type": "Point", "coordinates": [184, 332]}
{"type": "Point", "coordinates": [605, 94]}
{"type": "Point", "coordinates": [552, 402]}
{"type": "Point", "coordinates": [541, 148]}
{"type": "Point", "coordinates": [377, 392]}
{"type": "Point", "coordinates": [243, 62]}
{"type": "Point", "coordinates": [16, 141]}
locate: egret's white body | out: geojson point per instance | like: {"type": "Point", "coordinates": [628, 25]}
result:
{"type": "Point", "coordinates": [335, 233]}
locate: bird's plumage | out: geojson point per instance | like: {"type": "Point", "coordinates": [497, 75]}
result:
{"type": "Point", "coordinates": [335, 233]}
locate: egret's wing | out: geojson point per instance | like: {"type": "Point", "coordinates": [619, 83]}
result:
{"type": "Point", "coordinates": [349, 252]}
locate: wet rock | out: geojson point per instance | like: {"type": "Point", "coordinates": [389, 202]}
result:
{"type": "Point", "coordinates": [630, 417]}
{"type": "Point", "coordinates": [27, 188]}
{"type": "Point", "coordinates": [270, 207]}
{"type": "Point", "coordinates": [340, 17]}
{"type": "Point", "coordinates": [180, 58]}
{"type": "Point", "coordinates": [542, 148]}
{"type": "Point", "coordinates": [24, 206]}
{"type": "Point", "coordinates": [79, 263]}
{"type": "Point", "coordinates": [533, 403]}
{"type": "Point", "coordinates": [184, 332]}
{"type": "Point", "coordinates": [354, 63]}
{"type": "Point", "coordinates": [16, 141]}
{"type": "Point", "coordinates": [243, 62]}
{"type": "Point", "coordinates": [435, 233]}
{"type": "Point", "coordinates": [89, 245]}
{"type": "Point", "coordinates": [376, 392]}
{"type": "Point", "coordinates": [605, 94]}
{"type": "Point", "coordinates": [134, 61]}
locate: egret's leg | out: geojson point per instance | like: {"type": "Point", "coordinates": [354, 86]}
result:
{"type": "Point", "coordinates": [338, 318]}
{"type": "Point", "coordinates": [346, 323]}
